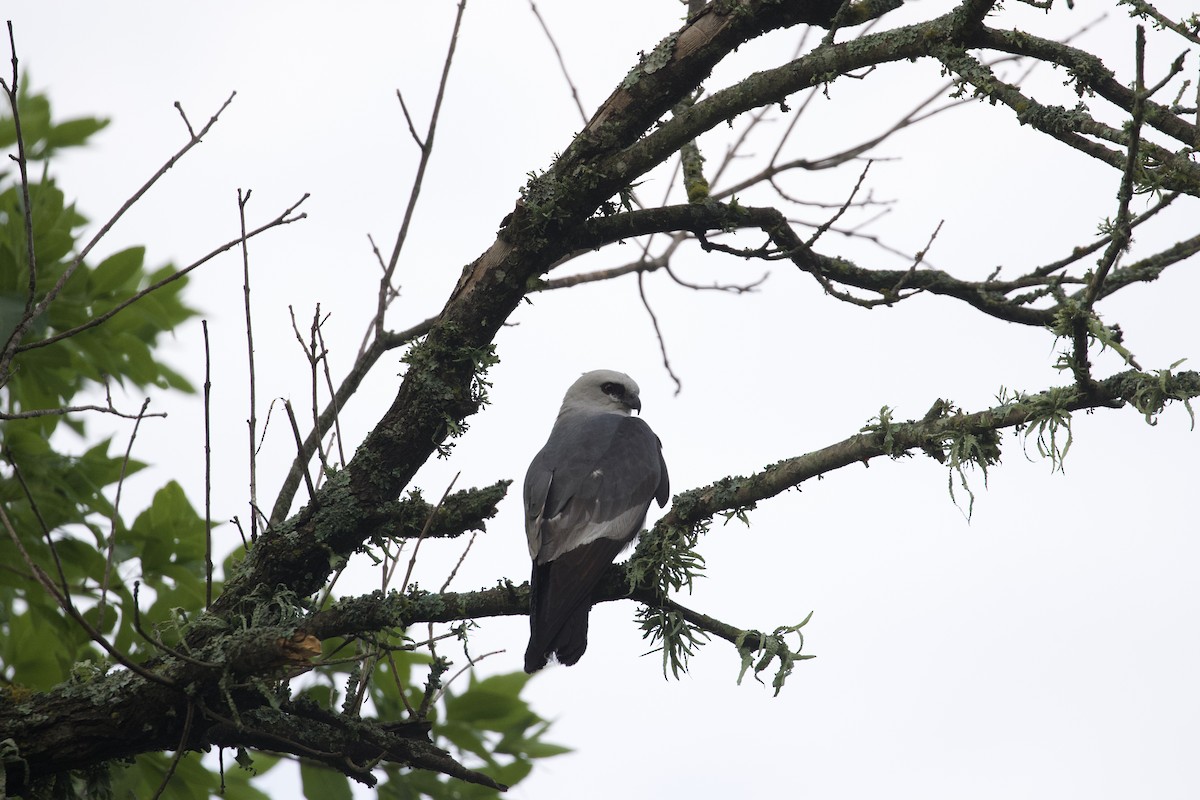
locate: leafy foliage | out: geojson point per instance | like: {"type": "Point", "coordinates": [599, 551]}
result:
{"type": "Point", "coordinates": [487, 727]}
{"type": "Point", "coordinates": [50, 494]}
{"type": "Point", "coordinates": [58, 501]}
{"type": "Point", "coordinates": [59, 506]}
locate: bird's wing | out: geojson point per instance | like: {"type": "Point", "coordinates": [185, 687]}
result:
{"type": "Point", "coordinates": [594, 479]}
{"type": "Point", "coordinates": [663, 493]}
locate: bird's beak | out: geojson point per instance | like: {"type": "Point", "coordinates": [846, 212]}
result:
{"type": "Point", "coordinates": [635, 404]}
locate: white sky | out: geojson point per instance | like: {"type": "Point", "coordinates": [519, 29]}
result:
{"type": "Point", "coordinates": [1044, 650]}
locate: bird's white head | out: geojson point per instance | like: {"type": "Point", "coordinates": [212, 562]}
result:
{"type": "Point", "coordinates": [602, 391]}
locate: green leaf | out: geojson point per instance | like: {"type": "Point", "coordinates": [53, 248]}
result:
{"type": "Point", "coordinates": [116, 271]}
{"type": "Point", "coordinates": [74, 132]}
{"type": "Point", "coordinates": [191, 780]}
{"type": "Point", "coordinates": [38, 647]}
{"type": "Point", "coordinates": [169, 532]}
{"type": "Point", "coordinates": [322, 783]}
{"type": "Point", "coordinates": [537, 749]}
{"type": "Point", "coordinates": [483, 707]}
{"type": "Point", "coordinates": [106, 625]}
{"type": "Point", "coordinates": [511, 683]}
{"type": "Point", "coordinates": [509, 774]}
{"type": "Point", "coordinates": [466, 738]}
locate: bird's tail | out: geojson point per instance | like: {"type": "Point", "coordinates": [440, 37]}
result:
{"type": "Point", "coordinates": [567, 644]}
{"type": "Point", "coordinates": [560, 599]}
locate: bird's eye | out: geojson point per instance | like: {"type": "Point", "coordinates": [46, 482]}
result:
{"type": "Point", "coordinates": [614, 389]}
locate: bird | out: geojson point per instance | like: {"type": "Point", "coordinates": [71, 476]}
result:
{"type": "Point", "coordinates": [586, 496]}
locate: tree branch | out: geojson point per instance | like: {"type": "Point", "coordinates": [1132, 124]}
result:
{"type": "Point", "coordinates": [934, 434]}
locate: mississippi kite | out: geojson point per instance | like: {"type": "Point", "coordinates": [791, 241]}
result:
{"type": "Point", "coordinates": [586, 497]}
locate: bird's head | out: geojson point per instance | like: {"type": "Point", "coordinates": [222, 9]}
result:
{"type": "Point", "coordinates": [603, 391]}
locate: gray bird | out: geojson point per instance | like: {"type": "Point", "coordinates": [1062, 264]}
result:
{"type": "Point", "coordinates": [586, 497]}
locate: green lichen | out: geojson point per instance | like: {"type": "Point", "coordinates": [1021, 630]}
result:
{"type": "Point", "coordinates": [1155, 390]}
{"type": "Point", "coordinates": [661, 55]}
{"type": "Point", "coordinates": [757, 651]}
{"type": "Point", "coordinates": [676, 638]}
{"type": "Point", "coordinates": [1050, 419]}
{"type": "Point", "coordinates": [435, 369]}
{"type": "Point", "coordinates": [964, 450]}
{"type": "Point", "coordinates": [882, 425]}
{"type": "Point", "coordinates": [666, 559]}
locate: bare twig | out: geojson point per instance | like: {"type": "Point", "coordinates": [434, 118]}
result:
{"type": "Point", "coordinates": [337, 425]}
{"type": "Point", "coordinates": [1146, 9]}
{"type": "Point", "coordinates": [757, 117]}
{"type": "Point", "coordinates": [1080, 252]}
{"type": "Point", "coordinates": [116, 518]}
{"type": "Point", "coordinates": [471, 662]}
{"type": "Point", "coordinates": [775, 168]}
{"type": "Point", "coordinates": [314, 356]}
{"type": "Point", "coordinates": [37, 512]}
{"type": "Point", "coordinates": [186, 122]}
{"type": "Point", "coordinates": [349, 385]}
{"type": "Point", "coordinates": [156, 641]}
{"type": "Point", "coordinates": [408, 118]}
{"type": "Point", "coordinates": [918, 258]}
{"type": "Point", "coordinates": [13, 92]}
{"type": "Point", "coordinates": [412, 561]}
{"type": "Point", "coordinates": [838, 214]}
{"type": "Point", "coordinates": [287, 405]}
{"type": "Point", "coordinates": [840, 18]}
{"type": "Point", "coordinates": [732, 288]}
{"type": "Point", "coordinates": [372, 348]}
{"type": "Point", "coordinates": [252, 422]}
{"type": "Point", "coordinates": [412, 712]}
{"type": "Point", "coordinates": [662, 345]}
{"type": "Point", "coordinates": [27, 319]}
{"type": "Point", "coordinates": [237, 523]}
{"type": "Point", "coordinates": [179, 750]}
{"type": "Point", "coordinates": [208, 543]}
{"type": "Point", "coordinates": [1121, 235]}
{"type": "Point", "coordinates": [317, 357]}
{"type": "Point", "coordinates": [385, 283]}
{"type": "Point", "coordinates": [562, 65]}
{"type": "Point", "coordinates": [460, 561]}
{"type": "Point", "coordinates": [641, 265]}
{"type": "Point", "coordinates": [285, 218]}
{"type": "Point", "coordinates": [64, 410]}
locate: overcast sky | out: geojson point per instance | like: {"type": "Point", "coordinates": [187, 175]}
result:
{"type": "Point", "coordinates": [1044, 649]}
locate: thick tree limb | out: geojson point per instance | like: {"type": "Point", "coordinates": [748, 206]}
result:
{"type": "Point", "coordinates": [459, 513]}
{"type": "Point", "coordinates": [1172, 171]}
{"type": "Point", "coordinates": [1089, 73]}
{"type": "Point", "coordinates": [988, 296]}
{"type": "Point", "coordinates": [734, 493]}
{"type": "Point", "coordinates": [121, 714]}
